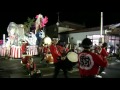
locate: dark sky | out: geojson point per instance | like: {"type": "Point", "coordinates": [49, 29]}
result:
{"type": "Point", "coordinates": [90, 19]}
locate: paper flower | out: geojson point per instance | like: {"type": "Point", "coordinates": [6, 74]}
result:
{"type": "Point", "coordinates": [44, 21]}
{"type": "Point", "coordinates": [41, 21]}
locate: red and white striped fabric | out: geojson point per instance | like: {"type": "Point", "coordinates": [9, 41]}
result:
{"type": "Point", "coordinates": [0, 50]}
{"type": "Point", "coordinates": [16, 52]}
{"type": "Point", "coordinates": [8, 51]}
{"type": "Point", "coordinates": [3, 50]}
{"type": "Point", "coordinates": [32, 50]}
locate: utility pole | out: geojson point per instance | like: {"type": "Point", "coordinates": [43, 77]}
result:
{"type": "Point", "coordinates": [101, 29]}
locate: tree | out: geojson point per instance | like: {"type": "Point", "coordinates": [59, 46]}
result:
{"type": "Point", "coordinates": [28, 24]}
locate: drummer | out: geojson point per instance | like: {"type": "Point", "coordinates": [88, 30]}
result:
{"type": "Point", "coordinates": [31, 66]}
{"type": "Point", "coordinates": [45, 51]}
{"type": "Point", "coordinates": [55, 51]}
{"type": "Point", "coordinates": [25, 59]}
{"type": "Point", "coordinates": [89, 62]}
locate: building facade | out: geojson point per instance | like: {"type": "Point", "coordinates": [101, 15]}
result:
{"type": "Point", "coordinates": [76, 33]}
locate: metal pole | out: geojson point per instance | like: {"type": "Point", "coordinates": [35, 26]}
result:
{"type": "Point", "coordinates": [101, 29]}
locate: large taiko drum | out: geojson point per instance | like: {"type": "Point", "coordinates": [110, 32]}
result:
{"type": "Point", "coordinates": [25, 59]}
{"type": "Point", "coordinates": [49, 58]}
{"type": "Point", "coordinates": [71, 60]}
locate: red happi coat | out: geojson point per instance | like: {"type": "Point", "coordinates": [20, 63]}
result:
{"type": "Point", "coordinates": [55, 52]}
{"type": "Point", "coordinates": [89, 63]}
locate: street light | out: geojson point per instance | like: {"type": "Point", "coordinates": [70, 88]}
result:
{"type": "Point", "coordinates": [58, 22]}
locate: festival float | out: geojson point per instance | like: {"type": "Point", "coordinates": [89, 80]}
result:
{"type": "Point", "coordinates": [19, 42]}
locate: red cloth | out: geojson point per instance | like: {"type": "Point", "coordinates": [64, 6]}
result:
{"type": "Point", "coordinates": [89, 63]}
{"type": "Point", "coordinates": [28, 66]}
{"type": "Point", "coordinates": [60, 48]}
{"type": "Point", "coordinates": [67, 49]}
{"type": "Point", "coordinates": [104, 53]}
{"type": "Point", "coordinates": [25, 60]}
{"type": "Point", "coordinates": [45, 49]}
{"type": "Point", "coordinates": [23, 47]}
{"type": "Point", "coordinates": [55, 53]}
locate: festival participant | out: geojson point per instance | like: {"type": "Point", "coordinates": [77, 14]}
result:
{"type": "Point", "coordinates": [23, 47]}
{"type": "Point", "coordinates": [96, 48]}
{"type": "Point", "coordinates": [118, 51]}
{"type": "Point", "coordinates": [44, 51]}
{"type": "Point", "coordinates": [57, 58]}
{"type": "Point", "coordinates": [31, 66]}
{"type": "Point", "coordinates": [89, 62]}
{"type": "Point", "coordinates": [25, 59]}
{"type": "Point", "coordinates": [104, 54]}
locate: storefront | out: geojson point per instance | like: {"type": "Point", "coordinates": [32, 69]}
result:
{"type": "Point", "coordinates": [113, 40]}
{"type": "Point", "coordinates": [109, 39]}
{"type": "Point", "coordinates": [95, 39]}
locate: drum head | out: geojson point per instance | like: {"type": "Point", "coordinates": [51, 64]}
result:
{"type": "Point", "coordinates": [72, 56]}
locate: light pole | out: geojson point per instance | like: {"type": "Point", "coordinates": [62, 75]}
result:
{"type": "Point", "coordinates": [101, 29]}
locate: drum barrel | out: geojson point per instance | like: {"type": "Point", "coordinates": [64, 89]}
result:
{"type": "Point", "coordinates": [71, 60]}
{"type": "Point", "coordinates": [69, 65]}
{"type": "Point", "coordinates": [49, 59]}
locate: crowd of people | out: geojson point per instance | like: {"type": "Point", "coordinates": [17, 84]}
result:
{"type": "Point", "coordinates": [91, 62]}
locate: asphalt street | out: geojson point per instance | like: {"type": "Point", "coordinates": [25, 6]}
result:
{"type": "Point", "coordinates": [13, 69]}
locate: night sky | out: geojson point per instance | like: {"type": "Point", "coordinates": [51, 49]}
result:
{"type": "Point", "coordinates": [90, 19]}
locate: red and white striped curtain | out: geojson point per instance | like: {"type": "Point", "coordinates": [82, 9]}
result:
{"type": "Point", "coordinates": [32, 50]}
{"type": "Point", "coordinates": [16, 52]}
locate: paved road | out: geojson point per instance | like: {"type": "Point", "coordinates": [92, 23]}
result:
{"type": "Point", "coordinates": [14, 69]}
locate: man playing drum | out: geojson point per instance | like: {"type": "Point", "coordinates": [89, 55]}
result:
{"type": "Point", "coordinates": [58, 63]}
{"type": "Point", "coordinates": [89, 62]}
